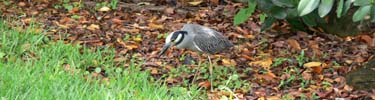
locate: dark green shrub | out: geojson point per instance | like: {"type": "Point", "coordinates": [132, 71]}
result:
{"type": "Point", "coordinates": [308, 12]}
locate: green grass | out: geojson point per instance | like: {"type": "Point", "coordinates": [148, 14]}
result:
{"type": "Point", "coordinates": [32, 67]}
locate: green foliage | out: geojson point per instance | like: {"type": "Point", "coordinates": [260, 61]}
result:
{"type": "Point", "coordinates": [113, 4]}
{"type": "Point", "coordinates": [361, 13]}
{"type": "Point", "coordinates": [33, 67]}
{"type": "Point", "coordinates": [307, 12]}
{"type": "Point", "coordinates": [267, 23]}
{"type": "Point", "coordinates": [342, 8]}
{"type": "Point", "coordinates": [279, 61]}
{"type": "Point", "coordinates": [325, 7]}
{"type": "Point", "coordinates": [244, 13]}
{"type": "Point", "coordinates": [307, 6]}
{"type": "Point", "coordinates": [301, 59]}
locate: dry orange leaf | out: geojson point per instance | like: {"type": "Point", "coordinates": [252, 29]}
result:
{"type": "Point", "coordinates": [247, 57]}
{"type": "Point", "coordinates": [93, 27]}
{"type": "Point", "coordinates": [315, 66]}
{"type": "Point", "coordinates": [154, 71]}
{"type": "Point", "coordinates": [360, 59]}
{"type": "Point", "coordinates": [21, 4]}
{"type": "Point", "coordinates": [318, 69]}
{"type": "Point", "coordinates": [274, 98]}
{"type": "Point", "coordinates": [348, 61]}
{"type": "Point", "coordinates": [229, 62]}
{"type": "Point", "coordinates": [117, 21]}
{"type": "Point", "coordinates": [194, 3]}
{"type": "Point", "coordinates": [171, 80]}
{"type": "Point", "coordinates": [131, 47]}
{"type": "Point", "coordinates": [205, 84]}
{"type": "Point", "coordinates": [367, 39]}
{"type": "Point", "coordinates": [104, 9]}
{"type": "Point", "coordinates": [155, 26]}
{"type": "Point", "coordinates": [312, 64]}
{"type": "Point", "coordinates": [137, 39]}
{"type": "Point", "coordinates": [269, 77]}
{"type": "Point", "coordinates": [294, 44]}
{"type": "Point", "coordinates": [226, 61]}
{"type": "Point", "coordinates": [74, 10]}
{"type": "Point", "coordinates": [264, 63]}
{"type": "Point", "coordinates": [271, 74]}
{"type": "Point", "coordinates": [26, 20]}
{"type": "Point", "coordinates": [216, 2]}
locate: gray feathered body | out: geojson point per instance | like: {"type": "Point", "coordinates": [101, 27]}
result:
{"type": "Point", "coordinates": [203, 39]}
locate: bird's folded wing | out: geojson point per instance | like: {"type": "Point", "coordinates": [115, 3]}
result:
{"type": "Point", "coordinates": [211, 43]}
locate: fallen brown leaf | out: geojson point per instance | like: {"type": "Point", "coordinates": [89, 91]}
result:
{"type": "Point", "coordinates": [171, 80]}
{"type": "Point", "coordinates": [205, 84]}
{"type": "Point", "coordinates": [155, 26]}
{"type": "Point", "coordinates": [264, 63]}
{"type": "Point", "coordinates": [169, 10]}
{"type": "Point", "coordinates": [22, 4]}
{"type": "Point", "coordinates": [93, 27]}
{"type": "Point", "coordinates": [312, 64]}
{"type": "Point", "coordinates": [137, 39]}
{"type": "Point", "coordinates": [367, 39]}
{"type": "Point", "coordinates": [154, 71]}
{"type": "Point", "coordinates": [74, 10]}
{"type": "Point", "coordinates": [274, 98]}
{"type": "Point", "coordinates": [194, 3]}
{"type": "Point", "coordinates": [294, 44]}
{"type": "Point", "coordinates": [132, 46]}
{"type": "Point", "coordinates": [104, 9]}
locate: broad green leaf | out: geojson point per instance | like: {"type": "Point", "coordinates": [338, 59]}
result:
{"type": "Point", "coordinates": [241, 16]}
{"type": "Point", "coordinates": [309, 20]}
{"type": "Point", "coordinates": [283, 3]}
{"type": "Point", "coordinates": [269, 21]}
{"type": "Point", "coordinates": [278, 12]}
{"type": "Point", "coordinates": [292, 13]}
{"type": "Point", "coordinates": [307, 6]}
{"type": "Point", "coordinates": [68, 7]}
{"type": "Point", "coordinates": [346, 7]}
{"type": "Point", "coordinates": [244, 13]}
{"type": "Point", "coordinates": [264, 5]}
{"type": "Point", "coordinates": [262, 17]}
{"type": "Point", "coordinates": [361, 13]}
{"type": "Point", "coordinates": [361, 2]}
{"type": "Point", "coordinates": [325, 7]}
{"type": "Point", "coordinates": [339, 8]}
{"type": "Point", "coordinates": [372, 13]}
{"type": "Point", "coordinates": [296, 24]}
{"type": "Point", "coordinates": [2, 55]}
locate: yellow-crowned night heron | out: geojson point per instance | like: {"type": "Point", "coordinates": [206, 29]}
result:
{"type": "Point", "coordinates": [197, 38]}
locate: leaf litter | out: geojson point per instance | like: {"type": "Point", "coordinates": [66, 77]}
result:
{"type": "Point", "coordinates": [137, 30]}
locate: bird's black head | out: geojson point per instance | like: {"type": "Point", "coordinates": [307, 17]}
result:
{"type": "Point", "coordinates": [174, 38]}
{"type": "Point", "coordinates": [177, 37]}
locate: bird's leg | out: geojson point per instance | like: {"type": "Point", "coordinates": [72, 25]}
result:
{"type": "Point", "coordinates": [211, 71]}
{"type": "Point", "coordinates": [197, 71]}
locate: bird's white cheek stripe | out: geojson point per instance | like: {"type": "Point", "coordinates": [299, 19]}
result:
{"type": "Point", "coordinates": [196, 46]}
{"type": "Point", "coordinates": [168, 39]}
{"type": "Point", "coordinates": [179, 37]}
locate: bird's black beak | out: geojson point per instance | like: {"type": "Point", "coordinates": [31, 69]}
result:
{"type": "Point", "coordinates": [165, 48]}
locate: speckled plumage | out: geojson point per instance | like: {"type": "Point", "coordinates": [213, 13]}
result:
{"type": "Point", "coordinates": [203, 39]}
{"type": "Point", "coordinates": [197, 38]}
